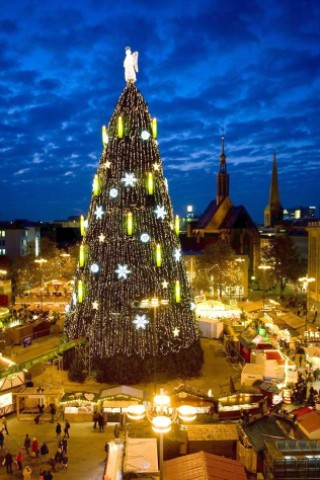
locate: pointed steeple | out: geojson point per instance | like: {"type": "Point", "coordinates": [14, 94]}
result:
{"type": "Point", "coordinates": [273, 213]}
{"type": "Point", "coordinates": [223, 176]}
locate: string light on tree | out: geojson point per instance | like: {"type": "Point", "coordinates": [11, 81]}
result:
{"type": "Point", "coordinates": [105, 137]}
{"type": "Point", "coordinates": [123, 272]}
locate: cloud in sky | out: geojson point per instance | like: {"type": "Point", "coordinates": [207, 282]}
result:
{"type": "Point", "coordinates": [250, 68]}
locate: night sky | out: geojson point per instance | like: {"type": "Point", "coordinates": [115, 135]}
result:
{"type": "Point", "coordinates": [250, 68]}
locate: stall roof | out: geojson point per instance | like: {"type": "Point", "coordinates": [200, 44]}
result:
{"type": "Point", "coordinates": [217, 432]}
{"type": "Point", "coordinates": [310, 424]}
{"type": "Point", "coordinates": [122, 392]}
{"type": "Point", "coordinates": [84, 396]}
{"type": "Point", "coordinates": [141, 455]}
{"type": "Point", "coordinates": [266, 428]}
{"type": "Point", "coordinates": [34, 392]}
{"type": "Point", "coordinates": [203, 466]}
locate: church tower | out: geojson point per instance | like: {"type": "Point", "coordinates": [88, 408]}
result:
{"type": "Point", "coordinates": [222, 177]}
{"type": "Point", "coordinates": [273, 213]}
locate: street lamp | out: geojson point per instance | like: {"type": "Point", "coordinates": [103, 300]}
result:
{"type": "Point", "coordinates": [161, 416]}
{"type": "Point", "coordinates": [41, 261]}
{"type": "Point", "coordinates": [264, 268]}
{"type": "Point", "coordinates": [305, 283]}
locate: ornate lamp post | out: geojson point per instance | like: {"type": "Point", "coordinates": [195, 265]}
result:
{"type": "Point", "coordinates": [161, 416]}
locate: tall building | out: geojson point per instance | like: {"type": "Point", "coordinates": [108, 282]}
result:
{"type": "Point", "coordinates": [273, 213]}
{"type": "Point", "coordinates": [223, 220]}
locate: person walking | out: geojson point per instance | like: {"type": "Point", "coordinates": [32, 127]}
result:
{"type": "Point", "coordinates": [27, 471]}
{"type": "Point", "coordinates": [44, 450]}
{"type": "Point", "coordinates": [34, 447]}
{"type": "Point", "coordinates": [64, 446]}
{"type": "Point", "coordinates": [4, 425]}
{"type": "Point", "coordinates": [1, 440]}
{"type": "Point", "coordinates": [27, 443]}
{"type": "Point", "coordinates": [8, 461]}
{"type": "Point", "coordinates": [65, 461]}
{"type": "Point", "coordinates": [58, 430]}
{"type": "Point", "coordinates": [19, 459]}
{"type": "Point", "coordinates": [66, 429]}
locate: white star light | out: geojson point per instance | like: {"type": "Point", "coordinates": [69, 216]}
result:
{"type": "Point", "coordinates": [101, 237]}
{"type": "Point", "coordinates": [177, 254]}
{"type": "Point", "coordinates": [160, 212]}
{"type": "Point", "coordinates": [98, 213]}
{"type": "Point", "coordinates": [107, 164]}
{"type": "Point", "coordinates": [176, 332]}
{"type": "Point", "coordinates": [122, 271]}
{"type": "Point", "coordinates": [95, 305]}
{"type": "Point", "coordinates": [156, 166]}
{"type": "Point", "coordinates": [165, 284]}
{"type": "Point", "coordinates": [141, 321]}
{"type": "Point", "coordinates": [129, 179]}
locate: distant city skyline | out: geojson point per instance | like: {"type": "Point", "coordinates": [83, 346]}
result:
{"type": "Point", "coordinates": [249, 69]}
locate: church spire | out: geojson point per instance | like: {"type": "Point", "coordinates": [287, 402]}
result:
{"type": "Point", "coordinates": [273, 213]}
{"type": "Point", "coordinates": [223, 176]}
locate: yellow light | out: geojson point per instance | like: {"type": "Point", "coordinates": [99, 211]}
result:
{"type": "Point", "coordinates": [120, 127]}
{"type": "Point", "coordinates": [187, 413]}
{"type": "Point", "coordinates": [154, 128]}
{"type": "Point", "coordinates": [136, 412]}
{"type": "Point", "coordinates": [80, 291]}
{"type": "Point", "coordinates": [150, 183]}
{"type": "Point", "coordinates": [177, 224]}
{"type": "Point", "coordinates": [96, 185]}
{"type": "Point", "coordinates": [177, 291]}
{"type": "Point", "coordinates": [81, 256]}
{"type": "Point", "coordinates": [161, 424]}
{"type": "Point", "coordinates": [105, 138]}
{"type": "Point", "coordinates": [129, 223]}
{"type": "Point", "coordinates": [82, 227]}
{"type": "Point", "coordinates": [162, 400]}
{"type": "Point", "coordinates": [158, 255]}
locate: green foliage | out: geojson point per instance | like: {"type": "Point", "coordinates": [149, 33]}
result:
{"type": "Point", "coordinates": [282, 254]}
{"type": "Point", "coordinates": [217, 268]}
{"type": "Point", "coordinates": [27, 274]}
{"type": "Point", "coordinates": [76, 371]}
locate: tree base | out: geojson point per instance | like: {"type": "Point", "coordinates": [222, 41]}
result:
{"type": "Point", "coordinates": [124, 370]}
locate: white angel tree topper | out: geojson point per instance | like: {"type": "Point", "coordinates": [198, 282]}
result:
{"type": "Point", "coordinates": [135, 297]}
{"type": "Point", "coordinates": [130, 65]}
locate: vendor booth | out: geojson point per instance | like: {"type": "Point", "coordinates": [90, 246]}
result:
{"type": "Point", "coordinates": [232, 406]}
{"type": "Point", "coordinates": [30, 398]}
{"type": "Point", "coordinates": [210, 327]}
{"type": "Point", "coordinates": [115, 401]}
{"type": "Point", "coordinates": [79, 406]}
{"type": "Point", "coordinates": [186, 395]}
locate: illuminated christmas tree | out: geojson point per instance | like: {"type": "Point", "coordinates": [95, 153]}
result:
{"type": "Point", "coordinates": [131, 298]}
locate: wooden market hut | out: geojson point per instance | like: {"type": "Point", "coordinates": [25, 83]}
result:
{"type": "Point", "coordinates": [79, 406]}
{"type": "Point", "coordinates": [115, 401]}
{"type": "Point", "coordinates": [28, 399]}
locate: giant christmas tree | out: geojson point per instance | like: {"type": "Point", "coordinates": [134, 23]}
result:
{"type": "Point", "coordinates": [131, 298]}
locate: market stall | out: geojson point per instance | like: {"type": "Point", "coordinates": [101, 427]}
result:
{"type": "Point", "coordinates": [79, 406]}
{"type": "Point", "coordinates": [29, 399]}
{"type": "Point", "coordinates": [115, 401]}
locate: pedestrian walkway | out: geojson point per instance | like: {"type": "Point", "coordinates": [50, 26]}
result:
{"type": "Point", "coordinates": [85, 449]}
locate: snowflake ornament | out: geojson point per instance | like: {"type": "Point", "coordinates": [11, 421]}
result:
{"type": "Point", "coordinates": [129, 179]}
{"type": "Point", "coordinates": [177, 254]}
{"type": "Point", "coordinates": [122, 271]}
{"type": "Point", "coordinates": [160, 212]}
{"type": "Point", "coordinates": [99, 212]}
{"type": "Point", "coordinates": [141, 321]}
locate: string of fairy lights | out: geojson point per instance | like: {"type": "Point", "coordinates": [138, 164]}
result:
{"type": "Point", "coordinates": [131, 292]}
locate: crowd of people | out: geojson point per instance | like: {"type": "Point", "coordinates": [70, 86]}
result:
{"type": "Point", "coordinates": [33, 450]}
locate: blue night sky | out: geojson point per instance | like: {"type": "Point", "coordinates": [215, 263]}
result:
{"type": "Point", "coordinates": [248, 67]}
